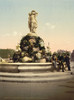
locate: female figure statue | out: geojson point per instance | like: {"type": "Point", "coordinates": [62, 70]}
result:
{"type": "Point", "coordinates": [32, 22]}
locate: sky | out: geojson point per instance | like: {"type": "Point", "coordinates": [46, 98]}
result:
{"type": "Point", "coordinates": [55, 22]}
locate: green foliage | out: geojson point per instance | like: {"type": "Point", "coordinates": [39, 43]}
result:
{"type": "Point", "coordinates": [62, 52]}
{"type": "Point", "coordinates": [5, 52]}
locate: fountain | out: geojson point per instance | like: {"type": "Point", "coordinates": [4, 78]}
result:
{"type": "Point", "coordinates": [31, 47]}
{"type": "Point", "coordinates": [29, 60]}
{"type": "Point", "coordinates": [30, 54]}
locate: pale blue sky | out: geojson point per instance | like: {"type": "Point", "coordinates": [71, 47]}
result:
{"type": "Point", "coordinates": [55, 22]}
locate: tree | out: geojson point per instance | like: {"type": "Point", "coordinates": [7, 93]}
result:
{"type": "Point", "coordinates": [5, 52]}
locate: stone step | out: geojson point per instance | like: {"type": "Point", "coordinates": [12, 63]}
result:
{"type": "Point", "coordinates": [48, 74]}
{"type": "Point", "coordinates": [7, 79]}
{"type": "Point", "coordinates": [33, 77]}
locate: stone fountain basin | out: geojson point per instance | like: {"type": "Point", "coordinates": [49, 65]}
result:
{"type": "Point", "coordinates": [25, 67]}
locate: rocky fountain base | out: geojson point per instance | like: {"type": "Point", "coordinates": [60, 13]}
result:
{"type": "Point", "coordinates": [31, 49]}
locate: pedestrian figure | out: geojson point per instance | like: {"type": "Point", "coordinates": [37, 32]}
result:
{"type": "Point", "coordinates": [61, 62]}
{"type": "Point", "coordinates": [54, 61]}
{"type": "Point", "coordinates": [67, 60]}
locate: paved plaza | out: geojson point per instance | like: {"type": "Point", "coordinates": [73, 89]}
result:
{"type": "Point", "coordinates": [48, 90]}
